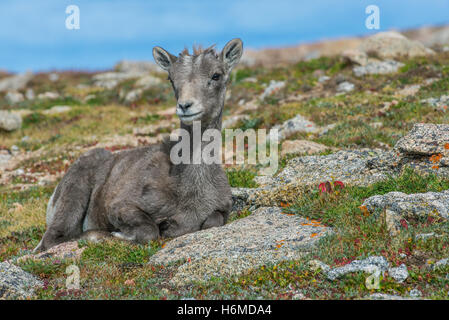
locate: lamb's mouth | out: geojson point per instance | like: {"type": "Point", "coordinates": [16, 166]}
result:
{"type": "Point", "coordinates": [189, 117]}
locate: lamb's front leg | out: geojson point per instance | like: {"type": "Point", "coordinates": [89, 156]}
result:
{"type": "Point", "coordinates": [216, 219]}
{"type": "Point", "coordinates": [133, 224]}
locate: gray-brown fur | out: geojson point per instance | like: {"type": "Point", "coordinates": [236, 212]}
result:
{"type": "Point", "coordinates": [138, 194]}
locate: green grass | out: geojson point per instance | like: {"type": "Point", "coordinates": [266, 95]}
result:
{"type": "Point", "coordinates": [241, 178]}
{"type": "Point", "coordinates": [119, 252]}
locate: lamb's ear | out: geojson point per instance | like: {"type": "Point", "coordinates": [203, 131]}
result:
{"type": "Point", "coordinates": [232, 52]}
{"type": "Point", "coordinates": [163, 58]}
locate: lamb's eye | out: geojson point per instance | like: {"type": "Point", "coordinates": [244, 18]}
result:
{"type": "Point", "coordinates": [216, 77]}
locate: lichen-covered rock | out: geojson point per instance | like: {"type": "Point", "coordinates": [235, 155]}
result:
{"type": "Point", "coordinates": [273, 87]}
{"type": "Point", "coordinates": [16, 283]}
{"type": "Point", "coordinates": [318, 265]}
{"type": "Point", "coordinates": [16, 82]}
{"type": "Point", "coordinates": [409, 90]}
{"type": "Point", "coordinates": [302, 146]}
{"type": "Point", "coordinates": [425, 139]}
{"type": "Point", "coordinates": [345, 86]}
{"type": "Point", "coordinates": [48, 95]}
{"type": "Point", "coordinates": [373, 264]}
{"type": "Point", "coordinates": [294, 125]}
{"type": "Point", "coordinates": [400, 274]}
{"type": "Point", "coordinates": [388, 45]}
{"type": "Point", "coordinates": [133, 95]}
{"type": "Point", "coordinates": [240, 198]}
{"type": "Point", "coordinates": [440, 263]}
{"type": "Point", "coordinates": [415, 293]}
{"type": "Point", "coordinates": [109, 80]}
{"type": "Point", "coordinates": [353, 167]}
{"type": "Point", "coordinates": [377, 67]}
{"type": "Point", "coordinates": [384, 296]}
{"type": "Point", "coordinates": [10, 121]}
{"type": "Point", "coordinates": [418, 205]}
{"type": "Point", "coordinates": [14, 97]}
{"type": "Point", "coordinates": [65, 250]}
{"type": "Point", "coordinates": [440, 103]}
{"type": "Point", "coordinates": [57, 110]}
{"type": "Point", "coordinates": [266, 236]}
{"type": "Point", "coordinates": [148, 81]}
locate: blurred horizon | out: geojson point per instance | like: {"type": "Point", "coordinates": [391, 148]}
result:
{"type": "Point", "coordinates": [34, 36]}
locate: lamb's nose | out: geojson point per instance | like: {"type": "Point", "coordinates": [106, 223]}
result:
{"type": "Point", "coordinates": [185, 105]}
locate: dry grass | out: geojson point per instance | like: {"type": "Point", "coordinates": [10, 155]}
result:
{"type": "Point", "coordinates": [19, 217]}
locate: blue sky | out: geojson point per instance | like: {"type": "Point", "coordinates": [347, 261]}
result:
{"type": "Point", "coordinates": [34, 37]}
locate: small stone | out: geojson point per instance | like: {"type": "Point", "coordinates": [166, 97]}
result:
{"type": "Point", "coordinates": [415, 293]}
{"type": "Point", "coordinates": [273, 87]}
{"type": "Point", "coordinates": [317, 265]}
{"type": "Point", "coordinates": [384, 296]}
{"type": "Point", "coordinates": [378, 67]}
{"type": "Point", "coordinates": [53, 77]}
{"type": "Point", "coordinates": [14, 97]}
{"type": "Point", "coordinates": [372, 264]}
{"type": "Point", "coordinates": [440, 103]}
{"type": "Point", "coordinates": [110, 80]}
{"type": "Point", "coordinates": [376, 125]}
{"type": "Point", "coordinates": [440, 263]}
{"type": "Point", "coordinates": [29, 94]}
{"type": "Point", "coordinates": [57, 110]}
{"type": "Point", "coordinates": [48, 95]}
{"type": "Point", "coordinates": [133, 95]}
{"type": "Point", "coordinates": [298, 296]}
{"type": "Point", "coordinates": [425, 235]}
{"type": "Point", "coordinates": [10, 121]}
{"type": "Point", "coordinates": [410, 90]}
{"type": "Point", "coordinates": [345, 87]}
{"type": "Point", "coordinates": [323, 79]}
{"type": "Point", "coordinates": [400, 274]}
{"type": "Point", "coordinates": [295, 125]}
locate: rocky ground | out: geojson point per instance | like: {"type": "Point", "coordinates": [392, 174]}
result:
{"type": "Point", "coordinates": [358, 209]}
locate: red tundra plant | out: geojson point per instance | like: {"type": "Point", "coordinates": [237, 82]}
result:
{"type": "Point", "coordinates": [326, 187]}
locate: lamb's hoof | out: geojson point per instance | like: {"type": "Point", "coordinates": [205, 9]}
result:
{"type": "Point", "coordinates": [122, 236]}
{"type": "Point", "coordinates": [39, 248]}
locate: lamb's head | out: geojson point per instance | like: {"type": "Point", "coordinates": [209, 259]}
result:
{"type": "Point", "coordinates": [199, 80]}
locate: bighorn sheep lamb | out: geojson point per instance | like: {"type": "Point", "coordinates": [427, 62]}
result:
{"type": "Point", "coordinates": [139, 194]}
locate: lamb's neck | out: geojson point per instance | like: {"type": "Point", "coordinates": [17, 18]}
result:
{"type": "Point", "coordinates": [194, 169]}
